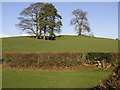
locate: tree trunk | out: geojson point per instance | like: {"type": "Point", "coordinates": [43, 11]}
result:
{"type": "Point", "coordinates": [40, 33]}
{"type": "Point", "coordinates": [37, 31]}
{"type": "Point", "coordinates": [37, 36]}
{"type": "Point", "coordinates": [36, 27]}
{"type": "Point", "coordinates": [44, 37]}
{"type": "Point", "coordinates": [79, 33]}
{"type": "Point", "coordinates": [80, 28]}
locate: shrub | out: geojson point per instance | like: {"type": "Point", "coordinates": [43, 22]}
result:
{"type": "Point", "coordinates": [59, 59]}
{"type": "Point", "coordinates": [98, 56]}
{"type": "Point", "coordinates": [42, 59]}
{"type": "Point", "coordinates": [115, 59]}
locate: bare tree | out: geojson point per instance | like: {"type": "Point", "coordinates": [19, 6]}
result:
{"type": "Point", "coordinates": [80, 21]}
{"type": "Point", "coordinates": [30, 19]}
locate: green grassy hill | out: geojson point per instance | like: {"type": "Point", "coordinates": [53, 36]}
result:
{"type": "Point", "coordinates": [61, 44]}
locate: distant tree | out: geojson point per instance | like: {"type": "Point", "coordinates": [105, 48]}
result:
{"type": "Point", "coordinates": [40, 18]}
{"type": "Point", "coordinates": [30, 20]}
{"type": "Point", "coordinates": [80, 21]}
{"type": "Point", "coordinates": [50, 19]}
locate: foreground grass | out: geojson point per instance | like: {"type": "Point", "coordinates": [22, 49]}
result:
{"type": "Point", "coordinates": [52, 79]}
{"type": "Point", "coordinates": [61, 44]}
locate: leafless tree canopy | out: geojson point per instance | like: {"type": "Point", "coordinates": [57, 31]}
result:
{"type": "Point", "coordinates": [80, 21]}
{"type": "Point", "coordinates": [30, 19]}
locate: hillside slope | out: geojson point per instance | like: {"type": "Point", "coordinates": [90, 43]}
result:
{"type": "Point", "coordinates": [61, 44]}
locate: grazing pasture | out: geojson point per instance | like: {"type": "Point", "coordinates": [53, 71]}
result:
{"type": "Point", "coordinates": [52, 79]}
{"type": "Point", "coordinates": [64, 43]}
{"type": "Point", "coordinates": [29, 78]}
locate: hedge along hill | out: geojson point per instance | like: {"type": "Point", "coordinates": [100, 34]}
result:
{"type": "Point", "coordinates": [61, 59]}
{"type": "Point", "coordinates": [61, 44]}
{"type": "Point", "coordinates": [112, 82]}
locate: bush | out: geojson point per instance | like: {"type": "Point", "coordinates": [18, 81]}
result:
{"type": "Point", "coordinates": [42, 59]}
{"type": "Point", "coordinates": [105, 59]}
{"type": "Point", "coordinates": [115, 59]}
{"type": "Point", "coordinates": [98, 56]}
{"type": "Point", "coordinates": [63, 59]}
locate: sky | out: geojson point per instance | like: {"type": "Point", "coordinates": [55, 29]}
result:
{"type": "Point", "coordinates": [102, 17]}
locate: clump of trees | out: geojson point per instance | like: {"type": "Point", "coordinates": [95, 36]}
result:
{"type": "Point", "coordinates": [40, 19]}
{"type": "Point", "coordinates": [80, 21]}
{"type": "Point", "coordinates": [43, 21]}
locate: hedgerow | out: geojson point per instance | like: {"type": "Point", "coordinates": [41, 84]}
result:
{"type": "Point", "coordinates": [59, 59]}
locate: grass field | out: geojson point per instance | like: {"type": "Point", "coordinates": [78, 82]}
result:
{"type": "Point", "coordinates": [56, 79]}
{"type": "Point", "coordinates": [61, 44]}
{"type": "Point", "coordinates": [0, 76]}
{"type": "Point", "coordinates": [52, 79]}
